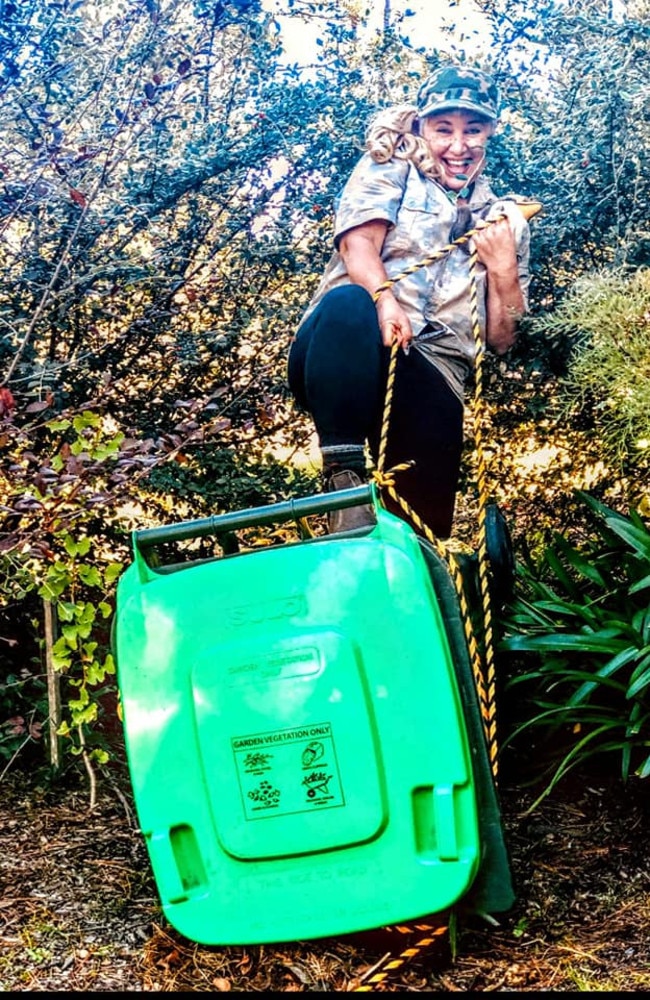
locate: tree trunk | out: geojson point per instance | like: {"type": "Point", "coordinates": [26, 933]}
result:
{"type": "Point", "coordinates": [53, 685]}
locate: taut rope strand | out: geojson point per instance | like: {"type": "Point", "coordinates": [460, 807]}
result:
{"type": "Point", "coordinates": [385, 480]}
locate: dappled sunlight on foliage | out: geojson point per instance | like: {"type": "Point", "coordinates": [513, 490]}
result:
{"type": "Point", "coordinates": [167, 182]}
{"type": "Point", "coordinates": [165, 215]}
{"type": "Point", "coordinates": [608, 315]}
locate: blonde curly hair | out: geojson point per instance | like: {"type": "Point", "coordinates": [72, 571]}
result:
{"type": "Point", "coordinates": [392, 133]}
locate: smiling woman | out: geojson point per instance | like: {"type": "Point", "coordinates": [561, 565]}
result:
{"type": "Point", "coordinates": [457, 142]}
{"type": "Point", "coordinates": [417, 188]}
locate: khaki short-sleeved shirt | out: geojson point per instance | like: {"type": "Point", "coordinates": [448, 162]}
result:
{"type": "Point", "coordinates": [419, 214]}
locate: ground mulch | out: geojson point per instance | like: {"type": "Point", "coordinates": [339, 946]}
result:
{"type": "Point", "coordinates": [79, 909]}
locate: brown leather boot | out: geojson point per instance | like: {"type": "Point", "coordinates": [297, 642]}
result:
{"type": "Point", "coordinates": [348, 518]}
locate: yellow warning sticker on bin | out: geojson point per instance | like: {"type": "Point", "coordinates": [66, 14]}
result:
{"type": "Point", "coordinates": [288, 771]}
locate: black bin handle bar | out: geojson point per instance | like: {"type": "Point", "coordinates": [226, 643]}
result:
{"type": "Point", "coordinates": [287, 510]}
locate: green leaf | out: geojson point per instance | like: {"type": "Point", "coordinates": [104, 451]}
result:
{"type": "Point", "coordinates": [70, 546]}
{"type": "Point", "coordinates": [86, 419]}
{"type": "Point", "coordinates": [86, 615]}
{"type": "Point", "coordinates": [76, 704]}
{"type": "Point", "coordinates": [60, 662]}
{"type": "Point", "coordinates": [637, 538]}
{"type": "Point", "coordinates": [51, 589]}
{"type": "Point", "coordinates": [71, 633]}
{"type": "Point", "coordinates": [643, 769]}
{"type": "Point", "coordinates": [587, 643]}
{"type": "Point", "coordinates": [94, 674]}
{"type": "Point", "coordinates": [565, 609]}
{"type": "Point", "coordinates": [83, 715]}
{"type": "Point", "coordinates": [61, 647]}
{"type": "Point", "coordinates": [558, 568]}
{"type": "Point", "coordinates": [604, 672]}
{"type": "Point", "coordinates": [65, 611]}
{"type": "Point", "coordinates": [90, 575]}
{"type": "Point", "coordinates": [640, 585]}
{"type": "Point", "coordinates": [584, 566]}
{"type": "Point", "coordinates": [637, 720]}
{"type": "Point", "coordinates": [112, 572]}
{"type": "Point", "coordinates": [83, 546]}
{"type": "Point", "coordinates": [640, 679]}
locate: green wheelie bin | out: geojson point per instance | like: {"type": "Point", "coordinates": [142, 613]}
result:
{"type": "Point", "coordinates": [306, 759]}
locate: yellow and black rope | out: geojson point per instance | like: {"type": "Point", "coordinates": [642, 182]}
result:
{"type": "Point", "coordinates": [488, 684]}
{"type": "Point", "coordinates": [385, 479]}
{"type": "Point", "coordinates": [431, 933]}
{"type": "Point", "coordinates": [482, 665]}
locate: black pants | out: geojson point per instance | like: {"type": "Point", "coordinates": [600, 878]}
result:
{"type": "Point", "coordinates": [337, 371]}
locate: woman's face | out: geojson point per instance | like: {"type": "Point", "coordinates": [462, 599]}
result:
{"type": "Point", "coordinates": [457, 142]}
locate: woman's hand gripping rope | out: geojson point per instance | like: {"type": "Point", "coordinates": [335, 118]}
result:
{"type": "Point", "coordinates": [393, 329]}
{"type": "Point", "coordinates": [394, 324]}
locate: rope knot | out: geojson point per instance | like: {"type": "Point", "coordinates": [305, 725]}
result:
{"type": "Point", "coordinates": [387, 479]}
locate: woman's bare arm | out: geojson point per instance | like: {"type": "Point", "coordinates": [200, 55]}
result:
{"type": "Point", "coordinates": [360, 249]}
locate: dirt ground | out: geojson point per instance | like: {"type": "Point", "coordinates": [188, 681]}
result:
{"type": "Point", "coordinates": [79, 909]}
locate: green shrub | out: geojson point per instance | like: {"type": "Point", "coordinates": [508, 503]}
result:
{"type": "Point", "coordinates": [581, 619]}
{"type": "Point", "coordinates": [605, 319]}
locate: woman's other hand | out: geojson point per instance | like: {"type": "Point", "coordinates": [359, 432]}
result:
{"type": "Point", "coordinates": [394, 324]}
{"type": "Point", "coordinates": [496, 248]}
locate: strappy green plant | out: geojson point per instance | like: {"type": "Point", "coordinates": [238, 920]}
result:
{"type": "Point", "coordinates": [580, 624]}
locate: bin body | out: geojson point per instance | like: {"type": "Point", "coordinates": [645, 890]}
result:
{"type": "Point", "coordinates": [295, 739]}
